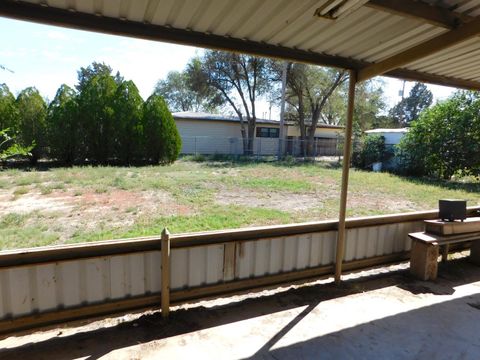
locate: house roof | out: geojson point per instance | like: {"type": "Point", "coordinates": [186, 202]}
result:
{"type": "Point", "coordinates": [381, 131]}
{"type": "Point", "coordinates": [202, 116]}
{"type": "Point", "coordinates": [429, 40]}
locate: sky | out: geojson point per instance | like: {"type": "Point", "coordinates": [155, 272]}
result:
{"type": "Point", "coordinates": [47, 56]}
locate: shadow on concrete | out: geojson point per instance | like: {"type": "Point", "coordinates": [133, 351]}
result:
{"type": "Point", "coordinates": [95, 343]}
{"type": "Point", "coordinates": [447, 330]}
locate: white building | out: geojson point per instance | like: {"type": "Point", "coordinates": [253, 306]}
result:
{"type": "Point", "coordinates": [392, 136]}
{"type": "Point", "coordinates": [204, 133]}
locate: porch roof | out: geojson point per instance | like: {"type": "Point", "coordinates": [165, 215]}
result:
{"type": "Point", "coordinates": [428, 41]}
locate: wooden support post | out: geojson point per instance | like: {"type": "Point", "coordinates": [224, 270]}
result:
{"type": "Point", "coordinates": [165, 269]}
{"type": "Point", "coordinates": [424, 260]}
{"type": "Point", "coordinates": [347, 148]}
{"type": "Point", "coordinates": [445, 251]}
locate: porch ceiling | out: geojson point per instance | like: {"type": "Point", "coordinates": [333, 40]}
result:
{"type": "Point", "coordinates": [429, 41]}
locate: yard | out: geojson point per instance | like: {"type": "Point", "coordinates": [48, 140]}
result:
{"type": "Point", "coordinates": [68, 205]}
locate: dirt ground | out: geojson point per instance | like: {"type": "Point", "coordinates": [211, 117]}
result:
{"type": "Point", "coordinates": [90, 210]}
{"type": "Point", "coordinates": [376, 314]}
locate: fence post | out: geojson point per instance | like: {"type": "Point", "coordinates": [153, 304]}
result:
{"type": "Point", "coordinates": [165, 270]}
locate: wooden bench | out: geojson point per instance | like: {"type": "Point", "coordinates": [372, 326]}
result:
{"type": "Point", "coordinates": [426, 249]}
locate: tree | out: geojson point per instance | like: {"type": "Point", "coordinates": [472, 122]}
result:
{"type": "Point", "coordinates": [174, 89]}
{"type": "Point", "coordinates": [240, 80]}
{"type": "Point", "coordinates": [369, 102]}
{"type": "Point", "coordinates": [128, 122]}
{"type": "Point", "coordinates": [188, 90]}
{"type": "Point", "coordinates": [63, 129]}
{"type": "Point", "coordinates": [445, 139]}
{"type": "Point", "coordinates": [97, 89]}
{"type": "Point", "coordinates": [32, 111]}
{"type": "Point", "coordinates": [409, 108]}
{"type": "Point", "coordinates": [161, 138]}
{"type": "Point", "coordinates": [8, 109]}
{"type": "Point", "coordinates": [308, 91]}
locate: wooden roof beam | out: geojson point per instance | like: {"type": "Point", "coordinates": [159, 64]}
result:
{"type": "Point", "coordinates": [441, 42]}
{"type": "Point", "coordinates": [432, 14]}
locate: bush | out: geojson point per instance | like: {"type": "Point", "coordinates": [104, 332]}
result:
{"type": "Point", "coordinates": [445, 140]}
{"type": "Point", "coordinates": [162, 140]}
{"type": "Point", "coordinates": [370, 151]}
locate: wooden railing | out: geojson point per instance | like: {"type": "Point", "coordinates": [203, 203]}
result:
{"type": "Point", "coordinates": [47, 285]}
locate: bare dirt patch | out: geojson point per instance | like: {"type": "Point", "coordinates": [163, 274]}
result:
{"type": "Point", "coordinates": [272, 200]}
{"type": "Point", "coordinates": [379, 202]}
{"type": "Point", "coordinates": [33, 201]}
{"type": "Point", "coordinates": [70, 212]}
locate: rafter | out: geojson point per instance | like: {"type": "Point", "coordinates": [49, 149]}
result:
{"type": "Point", "coordinates": [432, 14]}
{"type": "Point", "coordinates": [441, 42]}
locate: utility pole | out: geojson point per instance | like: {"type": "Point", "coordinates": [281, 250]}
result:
{"type": "Point", "coordinates": [281, 138]}
{"type": "Point", "coordinates": [401, 102]}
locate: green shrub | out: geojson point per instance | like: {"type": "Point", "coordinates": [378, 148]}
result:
{"type": "Point", "coordinates": [445, 140]}
{"type": "Point", "coordinates": [161, 138]}
{"type": "Point", "coordinates": [371, 150]}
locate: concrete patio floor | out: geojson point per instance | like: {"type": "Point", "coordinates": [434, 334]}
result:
{"type": "Point", "coordinates": [380, 314]}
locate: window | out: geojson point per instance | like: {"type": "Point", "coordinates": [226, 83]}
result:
{"type": "Point", "coordinates": [268, 132]}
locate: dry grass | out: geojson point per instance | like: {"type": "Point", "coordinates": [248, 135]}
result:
{"type": "Point", "coordinates": [92, 203]}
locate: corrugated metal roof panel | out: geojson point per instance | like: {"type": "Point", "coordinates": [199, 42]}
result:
{"type": "Point", "coordinates": [366, 35]}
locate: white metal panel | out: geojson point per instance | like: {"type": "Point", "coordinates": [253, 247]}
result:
{"type": "Point", "coordinates": [261, 261]}
{"type": "Point", "coordinates": [328, 247]}
{"type": "Point", "coordinates": [214, 272]}
{"type": "Point", "coordinates": [20, 296]}
{"type": "Point", "coordinates": [137, 274]}
{"type": "Point", "coordinates": [46, 287]}
{"type": "Point", "coordinates": [276, 256]}
{"type": "Point", "coordinates": [303, 251]}
{"type": "Point", "coordinates": [196, 266]}
{"type": "Point", "coordinates": [93, 281]}
{"type": "Point", "coordinates": [153, 279]}
{"type": "Point", "coordinates": [245, 261]}
{"type": "Point", "coordinates": [290, 254]}
{"type": "Point", "coordinates": [179, 269]}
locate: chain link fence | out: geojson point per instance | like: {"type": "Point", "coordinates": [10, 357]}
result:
{"type": "Point", "coordinates": [262, 147]}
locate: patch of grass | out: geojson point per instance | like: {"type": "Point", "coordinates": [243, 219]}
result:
{"type": "Point", "coordinates": [20, 191]}
{"type": "Point", "coordinates": [218, 218]}
{"type": "Point", "coordinates": [13, 219]}
{"type": "Point", "coordinates": [276, 184]}
{"type": "Point", "coordinates": [24, 237]}
{"type": "Point", "coordinates": [45, 190]}
{"type": "Point", "coordinates": [4, 183]}
{"type": "Point", "coordinates": [28, 178]}
{"type": "Point", "coordinates": [101, 189]}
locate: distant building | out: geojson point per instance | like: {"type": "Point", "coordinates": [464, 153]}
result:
{"type": "Point", "coordinates": [392, 136]}
{"type": "Point", "coordinates": [204, 133]}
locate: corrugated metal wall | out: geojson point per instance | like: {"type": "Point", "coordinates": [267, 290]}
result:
{"type": "Point", "coordinates": [33, 289]}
